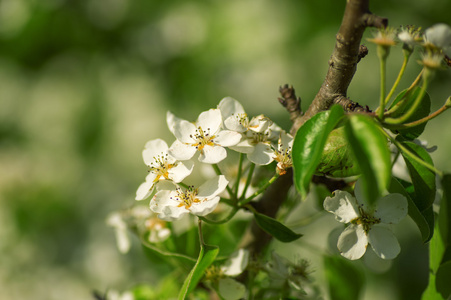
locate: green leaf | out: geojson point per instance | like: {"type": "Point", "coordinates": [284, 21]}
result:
{"type": "Point", "coordinates": [423, 110]}
{"type": "Point", "coordinates": [275, 228]}
{"type": "Point", "coordinates": [436, 251]}
{"type": "Point", "coordinates": [337, 159]}
{"type": "Point", "coordinates": [444, 219]}
{"type": "Point", "coordinates": [344, 280]}
{"type": "Point", "coordinates": [207, 256]}
{"type": "Point", "coordinates": [424, 226]}
{"type": "Point", "coordinates": [309, 143]}
{"type": "Point", "coordinates": [370, 149]}
{"type": "Point", "coordinates": [423, 179]}
{"type": "Point", "coordinates": [442, 280]}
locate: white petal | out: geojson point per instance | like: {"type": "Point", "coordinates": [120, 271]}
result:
{"type": "Point", "coordinates": [212, 154]}
{"type": "Point", "coordinates": [244, 146]}
{"type": "Point", "coordinates": [262, 154]}
{"type": "Point", "coordinates": [154, 148]}
{"type": "Point", "coordinates": [171, 119]}
{"type": "Point", "coordinates": [391, 209]}
{"type": "Point", "coordinates": [439, 35]}
{"type": "Point", "coordinates": [181, 151]}
{"type": "Point", "coordinates": [122, 240]}
{"type": "Point", "coordinates": [162, 199]}
{"type": "Point", "coordinates": [260, 123]}
{"type": "Point", "coordinates": [172, 213]}
{"type": "Point", "coordinates": [352, 242]}
{"type": "Point", "coordinates": [383, 242]}
{"type": "Point", "coordinates": [184, 130]}
{"type": "Point", "coordinates": [210, 119]}
{"type": "Point", "coordinates": [227, 138]}
{"type": "Point", "coordinates": [212, 187]}
{"type": "Point", "coordinates": [229, 106]}
{"type": "Point", "coordinates": [236, 263]}
{"type": "Point", "coordinates": [343, 205]}
{"type": "Point", "coordinates": [144, 190]}
{"type": "Point", "coordinates": [230, 289]}
{"type": "Point", "coordinates": [234, 123]}
{"type": "Point", "coordinates": [285, 141]}
{"type": "Point", "coordinates": [181, 171]}
{"type": "Point", "coordinates": [205, 207]}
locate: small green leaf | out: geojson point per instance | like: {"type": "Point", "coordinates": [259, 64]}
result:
{"type": "Point", "coordinates": [207, 256]}
{"type": "Point", "coordinates": [425, 228]}
{"type": "Point", "coordinates": [442, 280]}
{"type": "Point", "coordinates": [423, 110]}
{"type": "Point", "coordinates": [345, 281]}
{"type": "Point", "coordinates": [370, 149]}
{"type": "Point", "coordinates": [423, 179]}
{"type": "Point", "coordinates": [444, 218]}
{"type": "Point", "coordinates": [275, 228]}
{"type": "Point", "coordinates": [309, 143]}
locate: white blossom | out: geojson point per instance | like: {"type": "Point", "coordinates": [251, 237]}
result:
{"type": "Point", "coordinates": [367, 225]}
{"type": "Point", "coordinates": [439, 37]}
{"type": "Point", "coordinates": [116, 221]}
{"type": "Point", "coordinates": [257, 133]}
{"type": "Point", "coordinates": [283, 153]}
{"type": "Point", "coordinates": [162, 166]}
{"type": "Point", "coordinates": [173, 203]}
{"type": "Point", "coordinates": [205, 136]}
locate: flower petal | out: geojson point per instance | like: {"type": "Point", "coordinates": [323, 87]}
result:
{"type": "Point", "coordinates": [352, 242]}
{"type": "Point", "coordinates": [210, 119]}
{"type": "Point", "coordinates": [204, 207]}
{"type": "Point", "coordinates": [152, 149]}
{"type": "Point", "coordinates": [167, 208]}
{"type": "Point", "coordinates": [391, 209]}
{"type": "Point", "coordinates": [212, 154]}
{"type": "Point", "coordinates": [236, 263]}
{"type": "Point", "coordinates": [383, 242]}
{"type": "Point", "coordinates": [227, 138]}
{"type": "Point", "coordinates": [235, 123]}
{"type": "Point", "coordinates": [181, 151]}
{"type": "Point", "coordinates": [181, 171]}
{"type": "Point", "coordinates": [184, 130]}
{"type": "Point", "coordinates": [244, 146]}
{"type": "Point", "coordinates": [343, 205]}
{"type": "Point", "coordinates": [262, 154]}
{"type": "Point", "coordinates": [229, 106]}
{"type": "Point", "coordinates": [171, 120]}
{"type": "Point", "coordinates": [144, 190]}
{"type": "Point", "coordinates": [212, 187]}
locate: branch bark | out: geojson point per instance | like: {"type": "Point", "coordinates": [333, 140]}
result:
{"type": "Point", "coordinates": [342, 66]}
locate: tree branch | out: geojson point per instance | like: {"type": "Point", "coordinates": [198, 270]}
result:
{"type": "Point", "coordinates": [343, 62]}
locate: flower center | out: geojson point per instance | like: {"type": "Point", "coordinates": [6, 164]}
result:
{"type": "Point", "coordinates": [202, 138]}
{"type": "Point", "coordinates": [283, 157]}
{"type": "Point", "coordinates": [186, 198]}
{"type": "Point", "coordinates": [366, 220]}
{"type": "Point", "coordinates": [258, 137]}
{"type": "Point", "coordinates": [242, 119]}
{"type": "Point", "coordinates": [160, 166]}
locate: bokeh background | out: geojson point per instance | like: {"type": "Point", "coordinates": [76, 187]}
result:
{"type": "Point", "coordinates": [85, 83]}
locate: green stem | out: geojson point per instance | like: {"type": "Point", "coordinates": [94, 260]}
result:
{"type": "Point", "coordinates": [412, 155]}
{"type": "Point", "coordinates": [248, 180]}
{"type": "Point", "coordinates": [412, 109]}
{"type": "Point", "coordinates": [398, 79]}
{"type": "Point", "coordinates": [402, 103]}
{"type": "Point", "coordinates": [382, 53]}
{"type": "Point", "coordinates": [422, 120]}
{"type": "Point", "coordinates": [218, 172]}
{"type": "Point", "coordinates": [201, 237]}
{"type": "Point", "coordinates": [225, 220]}
{"type": "Point", "coordinates": [238, 177]}
{"type": "Point", "coordinates": [261, 190]}
{"type": "Point", "coordinates": [165, 253]}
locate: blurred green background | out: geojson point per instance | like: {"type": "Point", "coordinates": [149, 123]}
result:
{"type": "Point", "coordinates": [85, 83]}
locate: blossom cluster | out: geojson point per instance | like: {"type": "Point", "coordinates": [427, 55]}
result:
{"type": "Point", "coordinates": [206, 140]}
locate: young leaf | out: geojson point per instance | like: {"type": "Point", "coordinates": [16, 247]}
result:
{"type": "Point", "coordinates": [309, 143]}
{"type": "Point", "coordinates": [424, 226]}
{"type": "Point", "coordinates": [207, 256]}
{"type": "Point", "coordinates": [423, 110]}
{"type": "Point", "coordinates": [275, 228]}
{"type": "Point", "coordinates": [345, 281]}
{"type": "Point", "coordinates": [423, 179]}
{"type": "Point", "coordinates": [370, 149]}
{"type": "Point", "coordinates": [442, 280]}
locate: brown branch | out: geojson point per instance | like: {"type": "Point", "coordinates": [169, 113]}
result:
{"type": "Point", "coordinates": [342, 66]}
{"type": "Point", "coordinates": [344, 59]}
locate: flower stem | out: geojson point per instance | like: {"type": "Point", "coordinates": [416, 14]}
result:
{"type": "Point", "coordinates": [201, 237]}
{"type": "Point", "coordinates": [412, 109]}
{"type": "Point", "coordinates": [261, 190]}
{"type": "Point", "coordinates": [382, 54]}
{"type": "Point", "coordinates": [398, 79]}
{"type": "Point", "coordinates": [248, 180]}
{"type": "Point", "coordinates": [413, 155]}
{"type": "Point", "coordinates": [225, 220]}
{"type": "Point", "coordinates": [238, 176]}
{"type": "Point", "coordinates": [218, 172]}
